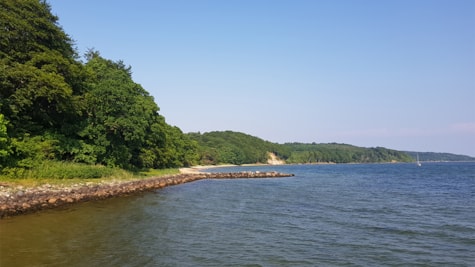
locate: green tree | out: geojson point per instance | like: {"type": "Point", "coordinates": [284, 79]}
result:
{"type": "Point", "coordinates": [41, 81]}
{"type": "Point", "coordinates": [179, 150]}
{"type": "Point", "coordinates": [4, 142]}
{"type": "Point", "coordinates": [40, 78]}
{"type": "Point", "coordinates": [235, 148]}
{"type": "Point", "coordinates": [54, 107]}
{"type": "Point", "coordinates": [123, 123]}
{"type": "Point", "coordinates": [341, 153]}
{"type": "Point", "coordinates": [119, 112]}
{"type": "Point", "coordinates": [28, 27]}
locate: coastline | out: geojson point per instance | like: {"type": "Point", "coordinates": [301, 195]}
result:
{"type": "Point", "coordinates": [23, 200]}
{"type": "Point", "coordinates": [201, 168]}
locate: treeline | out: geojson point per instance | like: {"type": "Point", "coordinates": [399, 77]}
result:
{"type": "Point", "coordinates": [230, 147]}
{"type": "Point", "coordinates": [342, 153]}
{"type": "Point", "coordinates": [238, 148]}
{"type": "Point", "coordinates": [58, 112]}
{"type": "Point", "coordinates": [54, 107]}
{"type": "Point", "coordinates": [434, 156]}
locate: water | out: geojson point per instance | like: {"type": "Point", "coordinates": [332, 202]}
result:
{"type": "Point", "coordinates": [327, 215]}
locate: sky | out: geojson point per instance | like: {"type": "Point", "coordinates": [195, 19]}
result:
{"type": "Point", "coordinates": [395, 73]}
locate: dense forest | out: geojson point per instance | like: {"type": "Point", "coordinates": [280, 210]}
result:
{"type": "Point", "coordinates": [56, 108]}
{"type": "Point", "coordinates": [235, 148]}
{"type": "Point", "coordinates": [227, 147]}
{"type": "Point", "coordinates": [53, 107]}
{"type": "Point", "coordinates": [239, 148]}
{"type": "Point", "coordinates": [342, 153]}
{"type": "Point", "coordinates": [434, 156]}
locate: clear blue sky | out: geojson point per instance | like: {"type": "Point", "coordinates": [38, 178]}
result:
{"type": "Point", "coordinates": [392, 73]}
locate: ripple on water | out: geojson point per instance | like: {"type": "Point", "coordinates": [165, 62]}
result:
{"type": "Point", "coordinates": [338, 215]}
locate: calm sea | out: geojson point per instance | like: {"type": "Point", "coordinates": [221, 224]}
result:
{"type": "Point", "coordinates": [327, 215]}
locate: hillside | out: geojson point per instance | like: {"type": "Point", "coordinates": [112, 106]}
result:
{"type": "Point", "coordinates": [342, 153]}
{"type": "Point", "coordinates": [238, 148]}
{"type": "Point", "coordinates": [230, 147]}
{"type": "Point", "coordinates": [433, 156]}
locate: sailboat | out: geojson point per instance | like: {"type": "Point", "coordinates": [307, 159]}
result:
{"type": "Point", "coordinates": [418, 162]}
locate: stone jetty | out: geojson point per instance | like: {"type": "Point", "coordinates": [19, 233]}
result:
{"type": "Point", "coordinates": [19, 200]}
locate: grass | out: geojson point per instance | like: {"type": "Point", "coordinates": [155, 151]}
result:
{"type": "Point", "coordinates": [67, 173]}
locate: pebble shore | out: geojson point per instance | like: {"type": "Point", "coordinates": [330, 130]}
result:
{"type": "Point", "coordinates": [20, 200]}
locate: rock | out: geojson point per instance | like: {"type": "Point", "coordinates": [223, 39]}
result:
{"type": "Point", "coordinates": [26, 200]}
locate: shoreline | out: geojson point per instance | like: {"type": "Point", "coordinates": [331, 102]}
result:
{"type": "Point", "coordinates": [29, 200]}
{"type": "Point", "coordinates": [201, 168]}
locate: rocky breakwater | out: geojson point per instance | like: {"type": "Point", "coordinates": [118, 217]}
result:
{"type": "Point", "coordinates": [16, 200]}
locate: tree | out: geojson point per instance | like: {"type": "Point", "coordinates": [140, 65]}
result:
{"type": "Point", "coordinates": [41, 82]}
{"type": "Point", "coordinates": [235, 148]}
{"type": "Point", "coordinates": [40, 78]}
{"type": "Point", "coordinates": [55, 107]}
{"type": "Point", "coordinates": [123, 122]}
{"type": "Point", "coordinates": [119, 112]}
{"type": "Point", "coordinates": [28, 27]}
{"type": "Point", "coordinates": [4, 143]}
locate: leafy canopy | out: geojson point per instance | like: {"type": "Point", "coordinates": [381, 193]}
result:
{"type": "Point", "coordinates": [54, 107]}
{"type": "Point", "coordinates": [238, 148]}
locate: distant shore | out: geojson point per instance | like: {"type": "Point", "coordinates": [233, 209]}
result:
{"type": "Point", "coordinates": [21, 200]}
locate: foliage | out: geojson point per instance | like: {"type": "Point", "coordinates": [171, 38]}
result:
{"type": "Point", "coordinates": [30, 152]}
{"type": "Point", "coordinates": [238, 148]}
{"type": "Point", "coordinates": [342, 153]}
{"type": "Point", "coordinates": [234, 148]}
{"type": "Point", "coordinates": [55, 108]}
{"type": "Point", "coordinates": [40, 78]}
{"type": "Point", "coordinates": [119, 113]}
{"type": "Point", "coordinates": [432, 156]}
{"type": "Point", "coordinates": [4, 141]}
{"type": "Point", "coordinates": [29, 27]}
{"type": "Point", "coordinates": [63, 118]}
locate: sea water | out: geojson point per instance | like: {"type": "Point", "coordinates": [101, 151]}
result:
{"type": "Point", "coordinates": [326, 215]}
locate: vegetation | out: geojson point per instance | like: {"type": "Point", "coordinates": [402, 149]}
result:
{"type": "Point", "coordinates": [238, 148]}
{"type": "Point", "coordinates": [36, 177]}
{"type": "Point", "coordinates": [62, 170]}
{"type": "Point", "coordinates": [61, 118]}
{"type": "Point", "coordinates": [70, 116]}
{"type": "Point", "coordinates": [234, 148]}
{"type": "Point", "coordinates": [342, 153]}
{"type": "Point", "coordinates": [432, 156]}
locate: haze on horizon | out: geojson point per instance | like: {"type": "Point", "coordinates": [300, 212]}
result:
{"type": "Point", "coordinates": [397, 74]}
